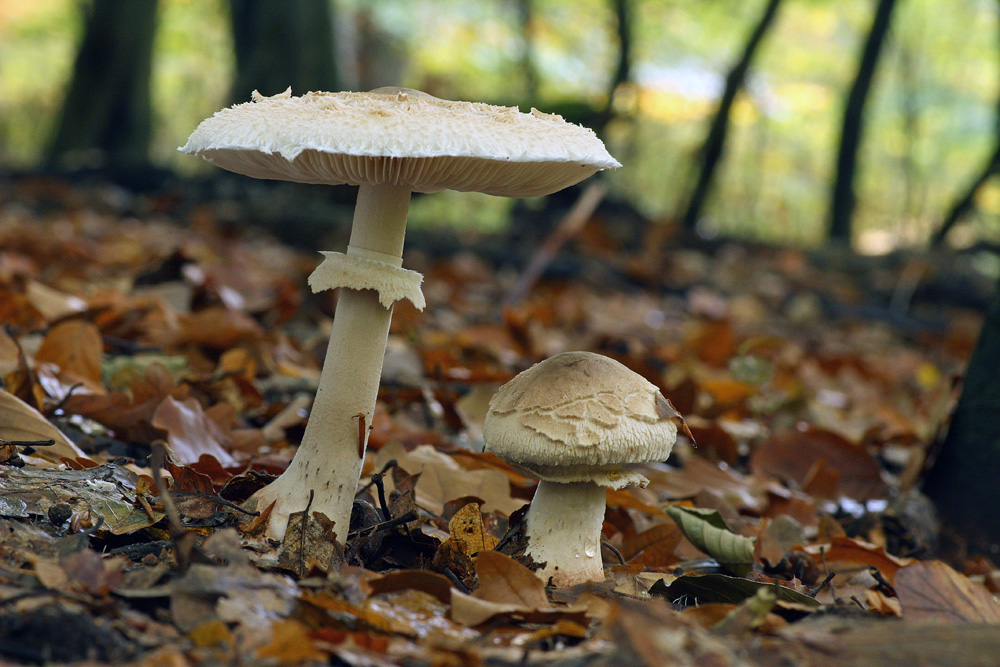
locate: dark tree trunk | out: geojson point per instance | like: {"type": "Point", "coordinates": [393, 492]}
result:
{"type": "Point", "coordinates": [715, 141]}
{"type": "Point", "coordinates": [526, 19]}
{"type": "Point", "coordinates": [963, 480]}
{"type": "Point", "coordinates": [842, 199]}
{"type": "Point", "coordinates": [965, 201]}
{"type": "Point", "coordinates": [623, 68]}
{"type": "Point", "coordinates": [282, 44]}
{"type": "Point", "coordinates": [106, 120]}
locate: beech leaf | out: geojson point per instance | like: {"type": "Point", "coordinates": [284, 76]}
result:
{"type": "Point", "coordinates": [707, 530]}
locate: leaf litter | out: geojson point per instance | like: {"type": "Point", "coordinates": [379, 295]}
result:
{"type": "Point", "coordinates": [811, 415]}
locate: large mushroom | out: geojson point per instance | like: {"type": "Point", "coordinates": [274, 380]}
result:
{"type": "Point", "coordinates": [579, 422]}
{"type": "Point", "coordinates": [390, 142]}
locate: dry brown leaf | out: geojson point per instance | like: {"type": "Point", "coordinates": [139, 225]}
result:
{"type": "Point", "coordinates": [503, 580]}
{"type": "Point", "coordinates": [130, 414]}
{"type": "Point", "coordinates": [75, 346]}
{"type": "Point", "coordinates": [467, 530]}
{"type": "Point", "coordinates": [882, 604]}
{"type": "Point", "coordinates": [20, 421]}
{"type": "Point", "coordinates": [932, 591]}
{"type": "Point", "coordinates": [654, 547]}
{"type": "Point", "coordinates": [845, 550]}
{"type": "Point", "coordinates": [791, 456]}
{"type": "Point", "coordinates": [442, 479]}
{"type": "Point", "coordinates": [190, 433]}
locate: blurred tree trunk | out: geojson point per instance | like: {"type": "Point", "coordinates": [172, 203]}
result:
{"type": "Point", "coordinates": [282, 44]}
{"type": "Point", "coordinates": [715, 141]}
{"type": "Point", "coordinates": [623, 67]}
{"type": "Point", "coordinates": [106, 120]}
{"type": "Point", "coordinates": [526, 19]}
{"type": "Point", "coordinates": [965, 201]}
{"type": "Point", "coordinates": [842, 199]}
{"type": "Point", "coordinates": [963, 480]}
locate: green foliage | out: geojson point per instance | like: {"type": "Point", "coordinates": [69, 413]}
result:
{"type": "Point", "coordinates": [931, 117]}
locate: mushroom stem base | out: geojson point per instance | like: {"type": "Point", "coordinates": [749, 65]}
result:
{"type": "Point", "coordinates": [564, 531]}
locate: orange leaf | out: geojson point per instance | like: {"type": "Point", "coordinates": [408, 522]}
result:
{"type": "Point", "coordinates": [290, 644]}
{"type": "Point", "coordinates": [848, 550]}
{"type": "Point", "coordinates": [75, 346]}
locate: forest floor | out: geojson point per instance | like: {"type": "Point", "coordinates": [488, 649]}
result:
{"type": "Point", "coordinates": [815, 386]}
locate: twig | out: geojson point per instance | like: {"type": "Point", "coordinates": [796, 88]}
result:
{"type": "Point", "coordinates": [173, 516]}
{"type": "Point", "coordinates": [380, 487]}
{"type": "Point", "coordinates": [65, 399]}
{"type": "Point", "coordinates": [459, 584]}
{"type": "Point", "coordinates": [389, 465]}
{"type": "Point", "coordinates": [883, 583]}
{"type": "Point", "coordinates": [618, 554]}
{"type": "Point", "coordinates": [385, 525]}
{"type": "Point", "coordinates": [567, 228]}
{"type": "Point", "coordinates": [28, 443]}
{"type": "Point", "coordinates": [813, 592]}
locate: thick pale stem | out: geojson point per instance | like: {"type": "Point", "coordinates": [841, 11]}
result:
{"type": "Point", "coordinates": [328, 462]}
{"type": "Point", "coordinates": [564, 531]}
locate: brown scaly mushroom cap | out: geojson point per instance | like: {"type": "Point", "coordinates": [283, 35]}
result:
{"type": "Point", "coordinates": [395, 136]}
{"type": "Point", "coordinates": [580, 416]}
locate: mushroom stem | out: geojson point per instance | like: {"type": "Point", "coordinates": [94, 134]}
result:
{"type": "Point", "coordinates": [328, 462]}
{"type": "Point", "coordinates": [564, 531]}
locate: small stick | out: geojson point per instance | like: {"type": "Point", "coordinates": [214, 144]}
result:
{"type": "Point", "coordinates": [822, 555]}
{"type": "Point", "coordinates": [28, 443]}
{"type": "Point", "coordinates": [388, 466]}
{"type": "Point", "coordinates": [385, 525]}
{"type": "Point", "coordinates": [380, 487]}
{"type": "Point", "coordinates": [813, 592]}
{"type": "Point", "coordinates": [883, 583]}
{"type": "Point", "coordinates": [65, 399]}
{"type": "Point", "coordinates": [456, 581]}
{"type": "Point", "coordinates": [173, 516]}
{"type": "Point", "coordinates": [618, 554]}
{"type": "Point", "coordinates": [566, 229]}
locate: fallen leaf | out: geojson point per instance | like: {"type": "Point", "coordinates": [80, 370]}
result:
{"type": "Point", "coordinates": [707, 530]}
{"type": "Point", "coordinates": [75, 346]}
{"type": "Point", "coordinates": [653, 547]}
{"type": "Point", "coordinates": [932, 591]}
{"type": "Point", "coordinates": [290, 644]}
{"type": "Point", "coordinates": [21, 422]}
{"type": "Point", "coordinates": [503, 580]}
{"type": "Point", "coordinates": [791, 456]}
{"type": "Point", "coordinates": [466, 528]}
{"type": "Point", "coordinates": [190, 432]}
{"type": "Point", "coordinates": [858, 553]}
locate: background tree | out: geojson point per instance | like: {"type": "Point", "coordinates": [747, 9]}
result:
{"type": "Point", "coordinates": [843, 198]}
{"type": "Point", "coordinates": [715, 141]}
{"type": "Point", "coordinates": [965, 201]}
{"type": "Point", "coordinates": [962, 481]}
{"type": "Point", "coordinates": [282, 44]}
{"type": "Point", "coordinates": [106, 118]}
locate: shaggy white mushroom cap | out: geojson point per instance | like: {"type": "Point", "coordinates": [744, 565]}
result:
{"type": "Point", "coordinates": [581, 417]}
{"type": "Point", "coordinates": [400, 137]}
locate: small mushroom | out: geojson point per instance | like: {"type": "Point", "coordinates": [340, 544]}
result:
{"type": "Point", "coordinates": [578, 421]}
{"type": "Point", "coordinates": [390, 142]}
